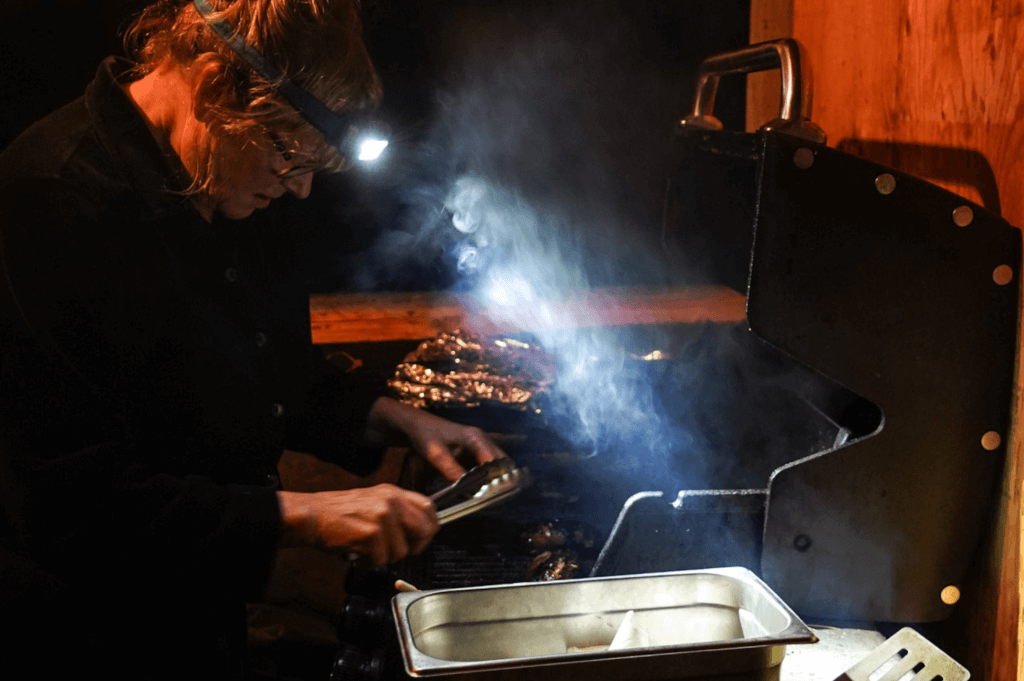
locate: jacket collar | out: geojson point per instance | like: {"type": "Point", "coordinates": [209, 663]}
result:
{"type": "Point", "coordinates": [156, 175]}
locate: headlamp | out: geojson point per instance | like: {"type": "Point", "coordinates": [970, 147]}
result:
{"type": "Point", "coordinates": [353, 133]}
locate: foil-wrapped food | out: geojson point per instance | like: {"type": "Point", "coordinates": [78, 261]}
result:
{"type": "Point", "coordinates": [459, 369]}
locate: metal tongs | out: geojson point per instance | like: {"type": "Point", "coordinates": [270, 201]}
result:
{"type": "Point", "coordinates": [481, 487]}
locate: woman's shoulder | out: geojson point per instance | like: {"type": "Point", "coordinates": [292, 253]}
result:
{"type": "Point", "coordinates": [45, 147]}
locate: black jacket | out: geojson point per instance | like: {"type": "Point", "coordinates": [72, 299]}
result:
{"type": "Point", "coordinates": [154, 369]}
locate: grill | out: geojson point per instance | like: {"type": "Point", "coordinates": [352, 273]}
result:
{"type": "Point", "coordinates": [880, 338]}
{"type": "Point", "coordinates": [590, 492]}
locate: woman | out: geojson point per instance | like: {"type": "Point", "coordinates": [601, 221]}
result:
{"type": "Point", "coordinates": [157, 361]}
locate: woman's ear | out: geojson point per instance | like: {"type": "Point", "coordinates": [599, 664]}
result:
{"type": "Point", "coordinates": [212, 89]}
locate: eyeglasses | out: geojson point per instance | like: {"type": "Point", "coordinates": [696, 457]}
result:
{"type": "Point", "coordinates": [297, 169]}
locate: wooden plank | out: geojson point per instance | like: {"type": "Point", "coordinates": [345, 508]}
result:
{"type": "Point", "coordinates": [936, 88]}
{"type": "Point", "coordinates": [925, 76]}
{"type": "Point", "coordinates": [362, 317]}
{"type": "Point", "coordinates": [769, 20]}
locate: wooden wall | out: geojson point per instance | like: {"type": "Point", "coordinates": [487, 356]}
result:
{"type": "Point", "coordinates": [934, 88]}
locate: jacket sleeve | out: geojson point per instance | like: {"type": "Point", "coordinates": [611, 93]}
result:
{"type": "Point", "coordinates": [84, 498]}
{"type": "Point", "coordinates": [333, 424]}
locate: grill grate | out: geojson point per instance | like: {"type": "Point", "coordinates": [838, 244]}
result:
{"type": "Point", "coordinates": [484, 550]}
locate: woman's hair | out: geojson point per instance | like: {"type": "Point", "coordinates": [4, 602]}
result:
{"type": "Point", "coordinates": [315, 43]}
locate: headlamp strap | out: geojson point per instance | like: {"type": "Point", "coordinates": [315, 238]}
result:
{"type": "Point", "coordinates": [334, 127]}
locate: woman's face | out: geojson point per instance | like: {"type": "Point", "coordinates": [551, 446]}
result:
{"type": "Point", "coordinates": [255, 171]}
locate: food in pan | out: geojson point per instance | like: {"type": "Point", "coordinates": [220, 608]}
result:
{"type": "Point", "coordinates": [550, 534]}
{"type": "Point", "coordinates": [553, 565]}
{"type": "Point", "coordinates": [545, 535]}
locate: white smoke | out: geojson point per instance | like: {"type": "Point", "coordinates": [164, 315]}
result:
{"type": "Point", "coordinates": [532, 280]}
{"type": "Point", "coordinates": [539, 175]}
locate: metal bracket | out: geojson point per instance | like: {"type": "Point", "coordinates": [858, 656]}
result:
{"type": "Point", "coordinates": [907, 295]}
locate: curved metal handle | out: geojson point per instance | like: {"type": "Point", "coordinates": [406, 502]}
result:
{"type": "Point", "coordinates": [795, 105]}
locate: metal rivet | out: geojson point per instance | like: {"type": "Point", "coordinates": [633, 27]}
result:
{"type": "Point", "coordinates": [950, 595]}
{"type": "Point", "coordinates": [231, 274]}
{"type": "Point", "coordinates": [261, 339]}
{"type": "Point", "coordinates": [991, 440]}
{"type": "Point", "coordinates": [277, 410]}
{"type": "Point", "coordinates": [963, 216]}
{"type": "Point", "coordinates": [803, 158]}
{"type": "Point", "coordinates": [885, 184]}
{"type": "Point", "coordinates": [802, 542]}
{"type": "Point", "coordinates": [1002, 275]}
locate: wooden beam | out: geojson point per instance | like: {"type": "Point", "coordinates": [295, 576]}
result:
{"type": "Point", "coordinates": [363, 317]}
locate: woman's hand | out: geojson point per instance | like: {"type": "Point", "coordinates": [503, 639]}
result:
{"type": "Point", "coordinates": [384, 523]}
{"type": "Point", "coordinates": [437, 440]}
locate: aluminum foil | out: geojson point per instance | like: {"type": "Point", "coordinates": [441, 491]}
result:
{"type": "Point", "coordinates": [459, 369]}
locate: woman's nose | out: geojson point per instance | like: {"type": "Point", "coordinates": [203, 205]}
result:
{"type": "Point", "coordinates": [300, 185]}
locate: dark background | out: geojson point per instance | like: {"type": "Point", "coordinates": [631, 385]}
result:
{"type": "Point", "coordinates": [568, 104]}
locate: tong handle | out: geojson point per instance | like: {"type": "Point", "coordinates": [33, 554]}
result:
{"type": "Point", "coordinates": [469, 484]}
{"type": "Point", "coordinates": [482, 487]}
{"type": "Point", "coordinates": [493, 493]}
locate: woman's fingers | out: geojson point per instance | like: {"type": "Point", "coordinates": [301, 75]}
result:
{"type": "Point", "coordinates": [383, 523]}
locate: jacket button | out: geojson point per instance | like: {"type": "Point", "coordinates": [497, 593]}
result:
{"type": "Point", "coordinates": [261, 339]}
{"type": "Point", "coordinates": [277, 410]}
{"type": "Point", "coordinates": [231, 274]}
